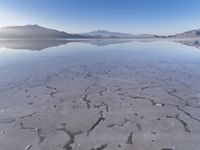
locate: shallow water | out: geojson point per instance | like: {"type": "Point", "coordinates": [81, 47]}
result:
{"type": "Point", "coordinates": [142, 95]}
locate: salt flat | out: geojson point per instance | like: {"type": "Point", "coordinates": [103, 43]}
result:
{"type": "Point", "coordinates": [78, 96]}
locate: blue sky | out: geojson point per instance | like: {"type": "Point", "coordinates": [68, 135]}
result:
{"type": "Point", "coordinates": [131, 16]}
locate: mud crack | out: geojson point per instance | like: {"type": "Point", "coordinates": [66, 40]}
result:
{"type": "Point", "coordinates": [99, 120]}
{"type": "Point", "coordinates": [130, 139]}
{"type": "Point", "coordinates": [185, 126]}
{"type": "Point", "coordinates": [72, 135]}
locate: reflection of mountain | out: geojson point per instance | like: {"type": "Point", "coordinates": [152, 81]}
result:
{"type": "Point", "coordinates": [106, 42]}
{"type": "Point", "coordinates": [194, 43]}
{"type": "Point", "coordinates": [37, 45]}
{"type": "Point", "coordinates": [31, 44]}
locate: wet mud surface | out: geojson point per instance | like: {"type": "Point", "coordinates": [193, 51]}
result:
{"type": "Point", "coordinates": [108, 98]}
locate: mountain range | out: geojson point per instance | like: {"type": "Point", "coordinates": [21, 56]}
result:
{"type": "Point", "coordinates": [189, 34]}
{"type": "Point", "coordinates": [33, 31]}
{"type": "Point", "coordinates": [108, 34]}
{"type": "Point", "coordinates": [36, 31]}
{"type": "Point", "coordinates": [104, 33]}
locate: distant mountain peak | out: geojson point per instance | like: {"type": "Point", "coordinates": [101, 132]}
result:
{"type": "Point", "coordinates": [105, 33]}
{"type": "Point", "coordinates": [33, 25]}
{"type": "Point", "coordinates": [101, 31]}
{"type": "Point", "coordinates": [189, 34]}
{"type": "Point", "coordinates": [33, 31]}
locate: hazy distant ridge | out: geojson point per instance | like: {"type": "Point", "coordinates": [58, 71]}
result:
{"type": "Point", "coordinates": [105, 33]}
{"type": "Point", "coordinates": [33, 31]}
{"type": "Point", "coordinates": [189, 34]}
{"type": "Point", "coordinates": [36, 31]}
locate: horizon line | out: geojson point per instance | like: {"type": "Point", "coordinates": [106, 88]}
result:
{"type": "Point", "coordinates": [98, 29]}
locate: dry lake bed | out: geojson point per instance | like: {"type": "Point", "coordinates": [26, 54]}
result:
{"type": "Point", "coordinates": [99, 95]}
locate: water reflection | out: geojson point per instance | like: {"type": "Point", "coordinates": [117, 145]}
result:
{"type": "Point", "coordinates": [150, 89]}
{"type": "Point", "coordinates": [31, 44]}
{"type": "Point", "coordinates": [193, 43]}
{"type": "Point", "coordinates": [38, 44]}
